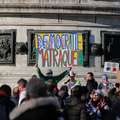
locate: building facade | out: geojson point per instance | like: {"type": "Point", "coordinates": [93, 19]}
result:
{"type": "Point", "coordinates": [97, 21]}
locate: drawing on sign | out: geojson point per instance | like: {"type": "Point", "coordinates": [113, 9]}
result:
{"type": "Point", "coordinates": [59, 49]}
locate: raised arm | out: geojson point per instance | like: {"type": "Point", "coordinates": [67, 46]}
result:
{"type": "Point", "coordinates": [59, 77]}
{"type": "Point", "coordinates": [41, 75]}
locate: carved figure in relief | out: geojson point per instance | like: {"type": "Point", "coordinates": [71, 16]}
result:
{"type": "Point", "coordinates": [5, 49]}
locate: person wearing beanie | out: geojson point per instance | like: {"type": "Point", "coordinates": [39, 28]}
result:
{"type": "Point", "coordinates": [72, 82]}
{"type": "Point", "coordinates": [105, 86]}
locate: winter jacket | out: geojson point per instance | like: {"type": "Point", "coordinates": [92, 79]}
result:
{"type": "Point", "coordinates": [97, 111]}
{"type": "Point", "coordinates": [44, 108]}
{"type": "Point", "coordinates": [91, 84]}
{"type": "Point", "coordinates": [75, 110]}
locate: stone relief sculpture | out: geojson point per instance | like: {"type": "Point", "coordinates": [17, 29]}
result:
{"type": "Point", "coordinates": [5, 50]}
{"type": "Point", "coordinates": [7, 46]}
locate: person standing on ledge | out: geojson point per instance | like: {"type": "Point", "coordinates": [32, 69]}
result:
{"type": "Point", "coordinates": [49, 75]}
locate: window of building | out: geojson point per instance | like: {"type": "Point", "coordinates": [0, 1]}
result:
{"type": "Point", "coordinates": [111, 46]}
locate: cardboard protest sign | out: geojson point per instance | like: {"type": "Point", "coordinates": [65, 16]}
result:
{"type": "Point", "coordinates": [111, 67]}
{"type": "Point", "coordinates": [59, 49]}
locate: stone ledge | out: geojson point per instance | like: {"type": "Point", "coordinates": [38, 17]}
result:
{"type": "Point", "coordinates": [57, 8]}
{"type": "Point", "coordinates": [26, 12]}
{"type": "Point", "coordinates": [63, 6]}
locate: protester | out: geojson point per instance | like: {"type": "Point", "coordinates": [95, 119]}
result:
{"type": "Point", "coordinates": [115, 113]}
{"type": "Point", "coordinates": [117, 87]}
{"type": "Point", "coordinates": [75, 106]}
{"type": "Point", "coordinates": [52, 88]}
{"type": "Point", "coordinates": [34, 76]}
{"type": "Point", "coordinates": [91, 83]}
{"type": "Point", "coordinates": [22, 90]}
{"type": "Point", "coordinates": [98, 107]}
{"type": "Point", "coordinates": [114, 95]}
{"type": "Point", "coordinates": [40, 100]}
{"type": "Point", "coordinates": [15, 96]}
{"type": "Point", "coordinates": [49, 75]}
{"type": "Point", "coordinates": [105, 85]}
{"type": "Point", "coordinates": [38, 105]}
{"type": "Point", "coordinates": [72, 82]}
{"type": "Point", "coordinates": [6, 105]}
{"type": "Point", "coordinates": [62, 95]}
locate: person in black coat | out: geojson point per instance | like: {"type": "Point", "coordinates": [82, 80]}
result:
{"type": "Point", "coordinates": [6, 105]}
{"type": "Point", "coordinates": [91, 83]}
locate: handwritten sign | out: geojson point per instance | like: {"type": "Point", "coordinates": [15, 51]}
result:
{"type": "Point", "coordinates": [59, 49]}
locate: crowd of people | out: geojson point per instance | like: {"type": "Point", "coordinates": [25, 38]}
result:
{"type": "Point", "coordinates": [40, 99]}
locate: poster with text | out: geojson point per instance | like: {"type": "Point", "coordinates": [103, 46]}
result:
{"type": "Point", "coordinates": [59, 49]}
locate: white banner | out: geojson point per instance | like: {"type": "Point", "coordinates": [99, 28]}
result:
{"type": "Point", "coordinates": [111, 67]}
